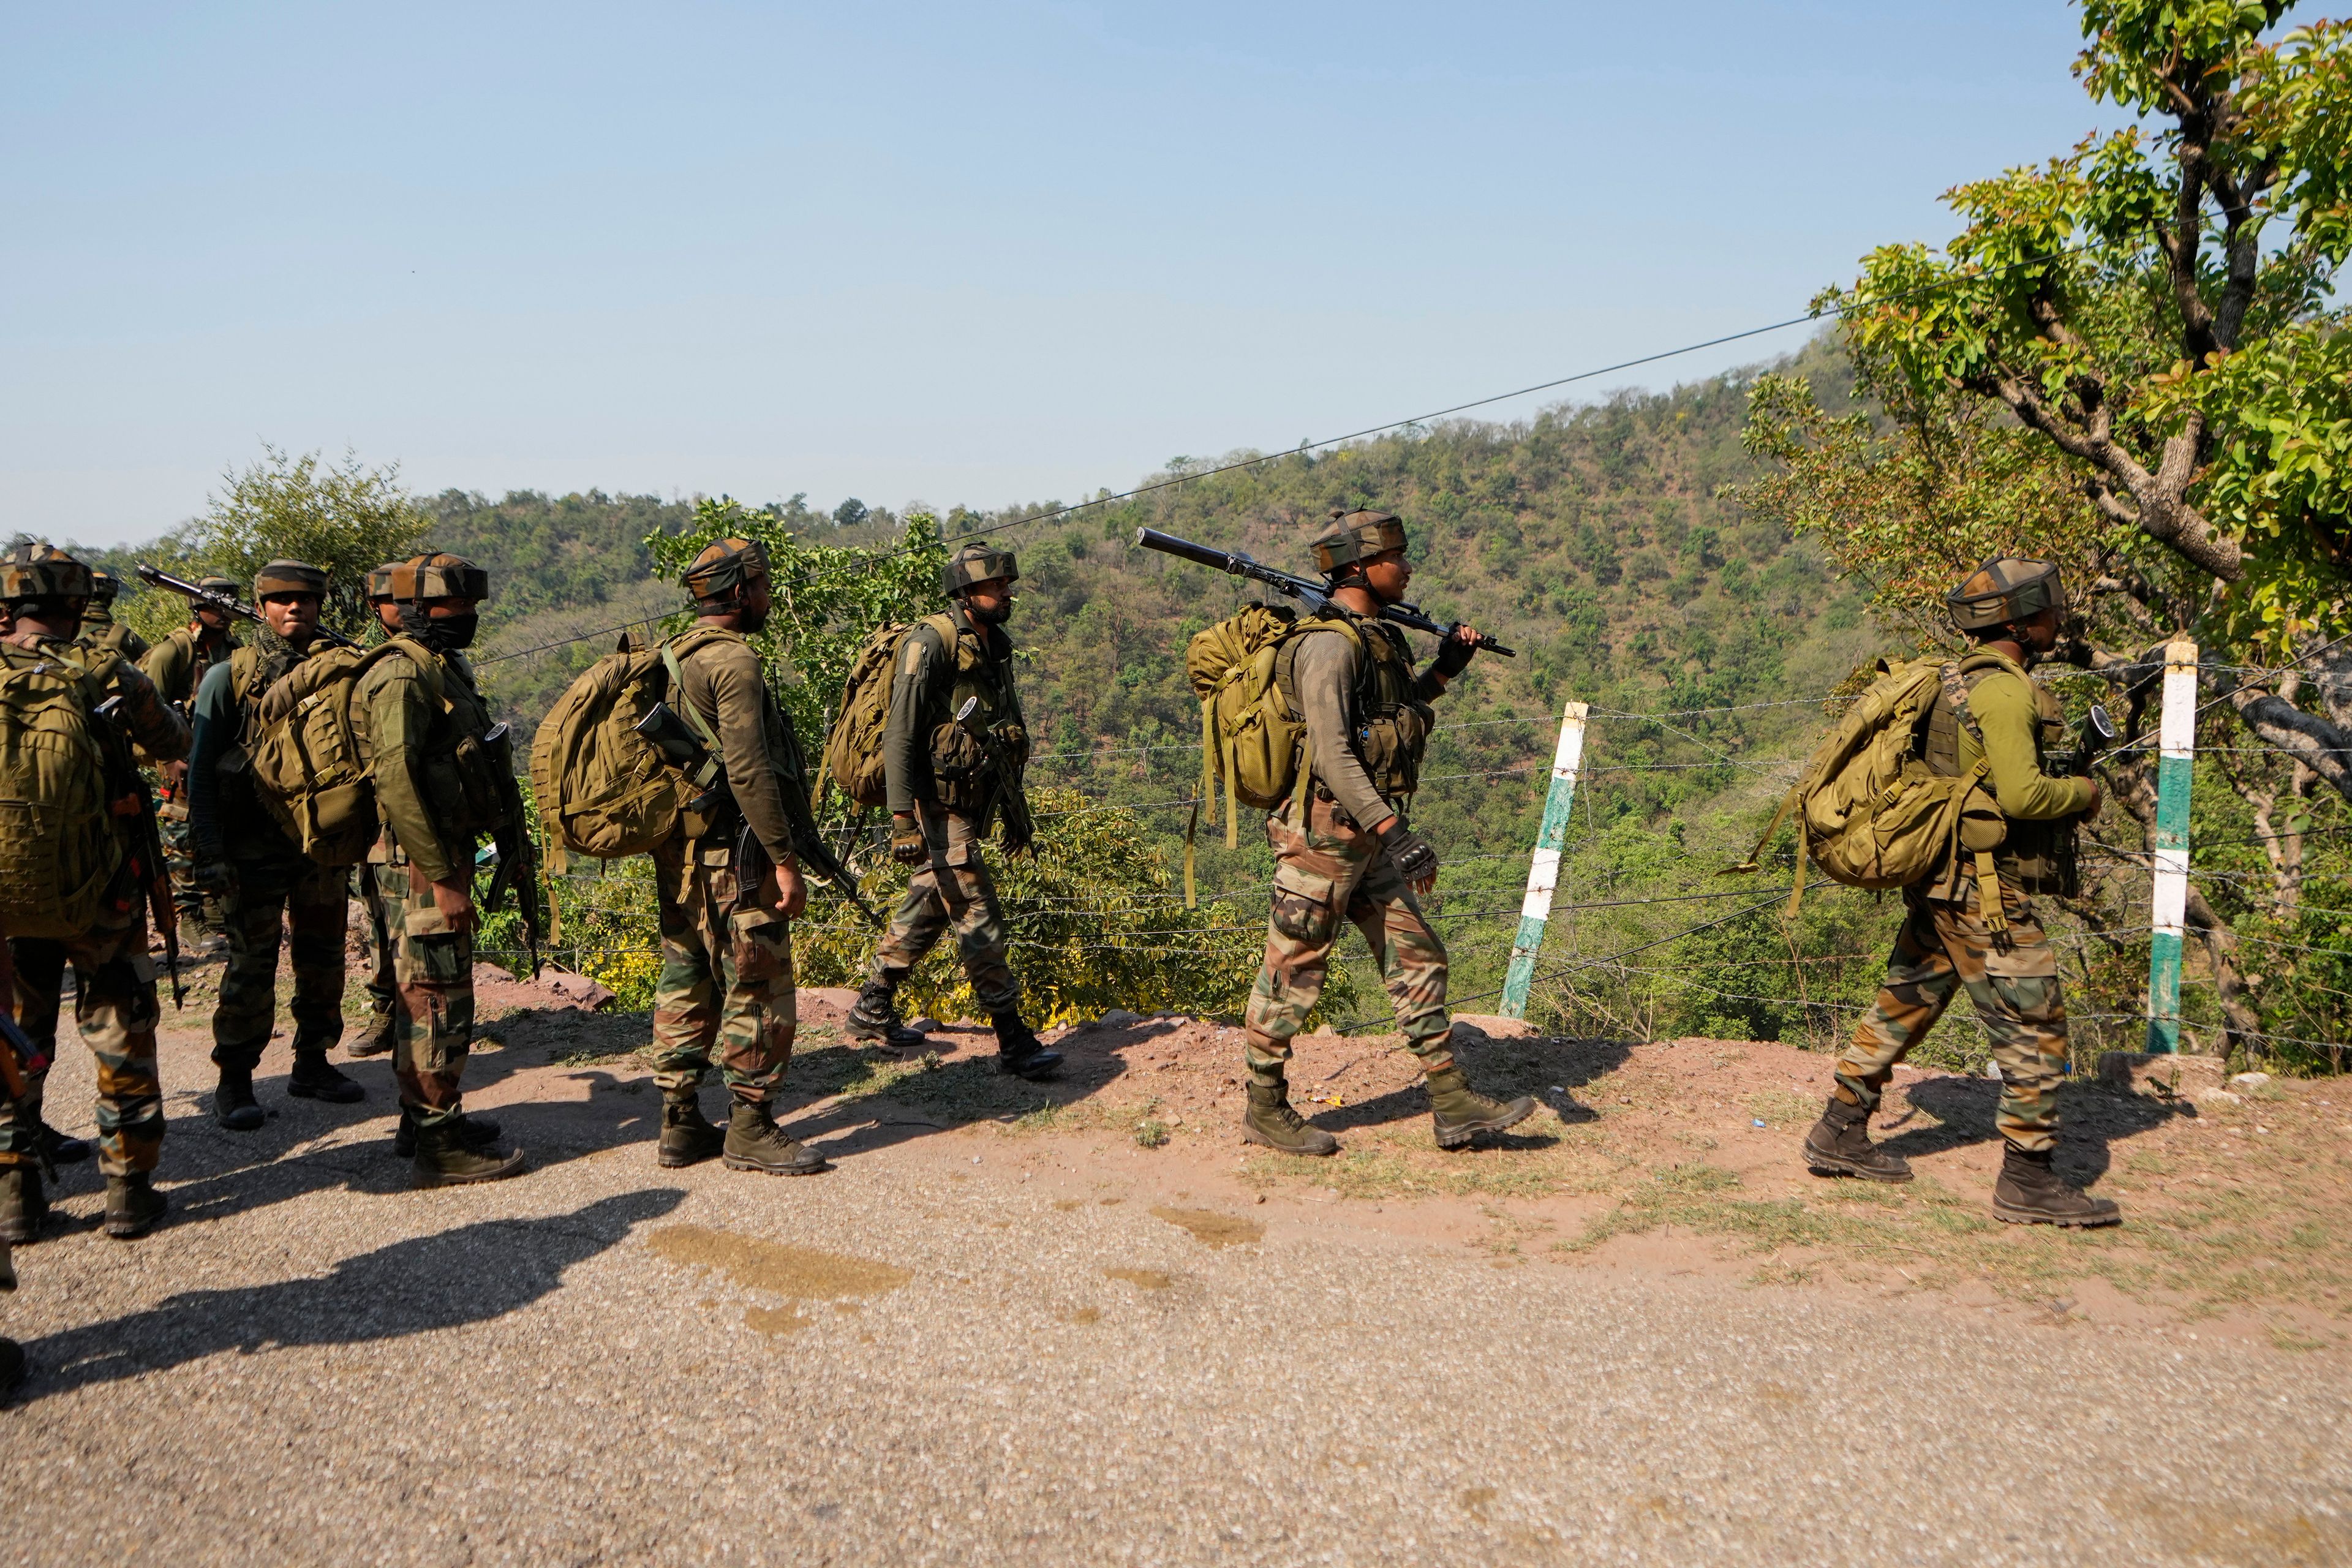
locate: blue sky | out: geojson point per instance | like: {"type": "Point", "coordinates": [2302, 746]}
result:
{"type": "Point", "coordinates": [978, 254]}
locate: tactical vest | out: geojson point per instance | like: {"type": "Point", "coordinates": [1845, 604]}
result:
{"type": "Point", "coordinates": [1387, 729]}
{"type": "Point", "coordinates": [960, 770]}
{"type": "Point", "coordinates": [2033, 856]}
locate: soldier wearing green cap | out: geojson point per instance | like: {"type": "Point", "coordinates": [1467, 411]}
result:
{"type": "Point", "coordinates": [177, 666]}
{"type": "Point", "coordinates": [1989, 712]}
{"type": "Point", "coordinates": [99, 628]}
{"type": "Point", "coordinates": [945, 792]}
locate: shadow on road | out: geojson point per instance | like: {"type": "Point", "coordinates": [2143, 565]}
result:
{"type": "Point", "coordinates": [469, 1275]}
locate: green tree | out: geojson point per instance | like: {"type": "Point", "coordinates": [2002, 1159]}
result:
{"type": "Point", "coordinates": [344, 518]}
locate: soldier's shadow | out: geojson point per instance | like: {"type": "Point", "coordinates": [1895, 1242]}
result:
{"type": "Point", "coordinates": [466, 1275]}
{"type": "Point", "coordinates": [1500, 1068]}
{"type": "Point", "coordinates": [920, 1098]}
{"type": "Point", "coordinates": [1948, 1113]}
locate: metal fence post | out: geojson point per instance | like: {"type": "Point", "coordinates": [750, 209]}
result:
{"type": "Point", "coordinates": [1543, 872]}
{"type": "Point", "coordinates": [2176, 738]}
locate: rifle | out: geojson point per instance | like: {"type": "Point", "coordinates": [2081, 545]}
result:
{"type": "Point", "coordinates": [2096, 733]}
{"type": "Point", "coordinates": [21, 1060]}
{"type": "Point", "coordinates": [1019, 827]}
{"type": "Point", "coordinates": [1305, 590]}
{"type": "Point", "coordinates": [148, 851]}
{"type": "Point", "coordinates": [679, 744]}
{"type": "Point", "coordinates": [227, 606]}
{"type": "Point", "coordinates": [518, 864]}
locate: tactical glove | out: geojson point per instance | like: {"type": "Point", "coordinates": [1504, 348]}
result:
{"type": "Point", "coordinates": [1453, 657]}
{"type": "Point", "coordinates": [1408, 852]}
{"type": "Point", "coordinates": [907, 846]}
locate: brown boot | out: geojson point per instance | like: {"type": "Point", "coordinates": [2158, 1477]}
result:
{"type": "Point", "coordinates": [316, 1078]}
{"type": "Point", "coordinates": [133, 1206]}
{"type": "Point", "coordinates": [2029, 1192]}
{"type": "Point", "coordinates": [24, 1207]}
{"type": "Point", "coordinates": [1271, 1122]}
{"type": "Point", "coordinates": [754, 1142]}
{"type": "Point", "coordinates": [376, 1040]}
{"type": "Point", "coordinates": [688, 1137]}
{"type": "Point", "coordinates": [1460, 1112]}
{"type": "Point", "coordinates": [444, 1157]}
{"type": "Point", "coordinates": [1840, 1145]}
{"type": "Point", "coordinates": [11, 1364]}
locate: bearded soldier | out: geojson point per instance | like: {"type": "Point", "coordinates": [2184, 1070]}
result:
{"type": "Point", "coordinates": [1343, 846]}
{"type": "Point", "coordinates": [1971, 924]}
{"type": "Point", "coordinates": [99, 628]}
{"type": "Point", "coordinates": [730, 885]}
{"type": "Point", "coordinates": [177, 666]}
{"type": "Point", "coordinates": [262, 880]}
{"type": "Point", "coordinates": [44, 591]}
{"type": "Point", "coordinates": [443, 775]}
{"type": "Point", "coordinates": [952, 753]}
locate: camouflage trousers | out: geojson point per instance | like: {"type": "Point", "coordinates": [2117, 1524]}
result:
{"type": "Point", "coordinates": [726, 977]}
{"type": "Point", "coordinates": [116, 1011]}
{"type": "Point", "coordinates": [270, 903]}
{"type": "Point", "coordinates": [2012, 982]}
{"type": "Point", "coordinates": [383, 989]}
{"type": "Point", "coordinates": [1330, 869]}
{"type": "Point", "coordinates": [171, 824]}
{"type": "Point", "coordinates": [951, 888]}
{"type": "Point", "coordinates": [433, 994]}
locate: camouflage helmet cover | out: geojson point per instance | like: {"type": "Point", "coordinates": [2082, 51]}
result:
{"type": "Point", "coordinates": [435, 574]}
{"type": "Point", "coordinates": [725, 565]}
{"type": "Point", "coordinates": [1357, 536]}
{"type": "Point", "coordinates": [103, 586]}
{"type": "Point", "coordinates": [227, 587]}
{"type": "Point", "coordinates": [283, 577]}
{"type": "Point", "coordinates": [976, 563]}
{"type": "Point", "coordinates": [35, 570]}
{"type": "Point", "coordinates": [2003, 591]}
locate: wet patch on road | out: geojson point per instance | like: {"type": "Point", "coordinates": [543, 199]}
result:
{"type": "Point", "coordinates": [1141, 1279]}
{"type": "Point", "coordinates": [802, 1272]}
{"type": "Point", "coordinates": [1212, 1229]}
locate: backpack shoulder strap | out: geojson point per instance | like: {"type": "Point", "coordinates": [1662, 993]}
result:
{"type": "Point", "coordinates": [693, 642]}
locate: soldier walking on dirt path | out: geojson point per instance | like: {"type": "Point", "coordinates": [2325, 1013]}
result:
{"type": "Point", "coordinates": [731, 886]}
{"type": "Point", "coordinates": [443, 778]}
{"type": "Point", "coordinates": [953, 756]}
{"type": "Point", "coordinates": [263, 884]}
{"type": "Point", "coordinates": [177, 666]}
{"type": "Point", "coordinates": [1990, 713]}
{"type": "Point", "coordinates": [44, 592]}
{"type": "Point", "coordinates": [1342, 844]}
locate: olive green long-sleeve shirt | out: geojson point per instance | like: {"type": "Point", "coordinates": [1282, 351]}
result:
{"type": "Point", "coordinates": [403, 729]}
{"type": "Point", "coordinates": [2007, 709]}
{"type": "Point", "coordinates": [171, 664]}
{"type": "Point", "coordinates": [1328, 670]}
{"type": "Point", "coordinates": [726, 686]}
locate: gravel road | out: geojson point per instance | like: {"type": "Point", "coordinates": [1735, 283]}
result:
{"type": "Point", "coordinates": [962, 1347]}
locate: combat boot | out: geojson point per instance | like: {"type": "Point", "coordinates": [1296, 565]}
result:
{"type": "Point", "coordinates": [1270, 1121]}
{"type": "Point", "coordinates": [1840, 1145]}
{"type": "Point", "coordinates": [24, 1206]}
{"type": "Point", "coordinates": [316, 1078]}
{"type": "Point", "coordinates": [688, 1137]}
{"type": "Point", "coordinates": [2029, 1192]}
{"type": "Point", "coordinates": [58, 1148]}
{"type": "Point", "coordinates": [445, 1159]}
{"type": "Point", "coordinates": [875, 1018]}
{"type": "Point", "coordinates": [1018, 1052]}
{"type": "Point", "coordinates": [233, 1102]}
{"type": "Point", "coordinates": [376, 1041]}
{"type": "Point", "coordinates": [11, 1364]}
{"type": "Point", "coordinates": [133, 1206]}
{"type": "Point", "coordinates": [474, 1131]}
{"type": "Point", "coordinates": [1460, 1113]}
{"type": "Point", "coordinates": [754, 1142]}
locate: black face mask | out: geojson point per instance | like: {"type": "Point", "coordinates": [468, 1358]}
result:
{"type": "Point", "coordinates": [444, 634]}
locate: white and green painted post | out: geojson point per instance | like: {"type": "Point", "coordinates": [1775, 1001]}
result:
{"type": "Point", "coordinates": [1543, 874]}
{"type": "Point", "coordinates": [2176, 738]}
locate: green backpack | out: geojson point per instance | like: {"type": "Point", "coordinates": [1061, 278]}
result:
{"type": "Point", "coordinates": [307, 766]}
{"type": "Point", "coordinates": [852, 746]}
{"type": "Point", "coordinates": [604, 790]}
{"type": "Point", "coordinates": [58, 846]}
{"type": "Point", "coordinates": [1251, 737]}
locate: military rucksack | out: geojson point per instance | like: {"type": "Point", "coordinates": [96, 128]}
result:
{"type": "Point", "coordinates": [605, 789]}
{"type": "Point", "coordinates": [1871, 813]}
{"type": "Point", "coordinates": [1251, 736]}
{"type": "Point", "coordinates": [58, 846]}
{"type": "Point", "coordinates": [305, 760]}
{"type": "Point", "coordinates": [853, 747]}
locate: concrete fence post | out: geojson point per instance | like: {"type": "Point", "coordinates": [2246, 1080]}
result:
{"type": "Point", "coordinates": [2177, 741]}
{"type": "Point", "coordinates": [1543, 872]}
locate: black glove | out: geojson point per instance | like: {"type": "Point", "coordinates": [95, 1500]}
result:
{"type": "Point", "coordinates": [1408, 852]}
{"type": "Point", "coordinates": [1453, 657]}
{"type": "Point", "coordinates": [907, 846]}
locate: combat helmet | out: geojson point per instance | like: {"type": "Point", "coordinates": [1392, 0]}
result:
{"type": "Point", "coordinates": [31, 570]}
{"type": "Point", "coordinates": [294, 577]}
{"type": "Point", "coordinates": [103, 586]}
{"type": "Point", "coordinates": [2003, 591]}
{"type": "Point", "coordinates": [724, 567]}
{"type": "Point", "coordinates": [1356, 536]}
{"type": "Point", "coordinates": [435, 574]}
{"type": "Point", "coordinates": [976, 563]}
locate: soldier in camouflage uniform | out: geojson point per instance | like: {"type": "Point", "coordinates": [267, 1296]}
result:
{"type": "Point", "coordinates": [45, 591]}
{"type": "Point", "coordinates": [383, 991]}
{"type": "Point", "coordinates": [442, 777]}
{"type": "Point", "coordinates": [177, 666]}
{"type": "Point", "coordinates": [1342, 846]}
{"type": "Point", "coordinates": [944, 792]}
{"type": "Point", "coordinates": [100, 630]}
{"type": "Point", "coordinates": [263, 882]}
{"type": "Point", "coordinates": [1970, 926]}
{"type": "Point", "coordinates": [731, 886]}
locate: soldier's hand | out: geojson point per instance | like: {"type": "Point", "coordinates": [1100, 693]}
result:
{"type": "Point", "coordinates": [792, 891]}
{"type": "Point", "coordinates": [1453, 653]}
{"type": "Point", "coordinates": [1018, 843]}
{"type": "Point", "coordinates": [456, 903]}
{"type": "Point", "coordinates": [1411, 854]}
{"type": "Point", "coordinates": [2096, 796]}
{"type": "Point", "coordinates": [212, 878]}
{"type": "Point", "coordinates": [906, 844]}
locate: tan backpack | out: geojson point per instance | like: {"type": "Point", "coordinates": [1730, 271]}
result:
{"type": "Point", "coordinates": [603, 789]}
{"type": "Point", "coordinates": [305, 761]}
{"type": "Point", "coordinates": [58, 846]}
{"type": "Point", "coordinates": [853, 747]}
{"type": "Point", "coordinates": [1872, 814]}
{"type": "Point", "coordinates": [1250, 737]}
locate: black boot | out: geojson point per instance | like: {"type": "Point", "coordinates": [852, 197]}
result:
{"type": "Point", "coordinates": [11, 1364]}
{"type": "Point", "coordinates": [875, 1018]}
{"type": "Point", "coordinates": [233, 1102]}
{"type": "Point", "coordinates": [2029, 1192]}
{"type": "Point", "coordinates": [24, 1207]}
{"type": "Point", "coordinates": [754, 1142]}
{"type": "Point", "coordinates": [133, 1206]}
{"type": "Point", "coordinates": [1018, 1052]}
{"type": "Point", "coordinates": [1840, 1145]}
{"type": "Point", "coordinates": [60, 1149]}
{"type": "Point", "coordinates": [315, 1078]}
{"type": "Point", "coordinates": [445, 1159]}
{"type": "Point", "coordinates": [688, 1137]}
{"type": "Point", "coordinates": [473, 1131]}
